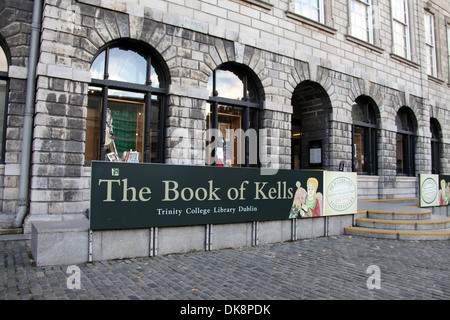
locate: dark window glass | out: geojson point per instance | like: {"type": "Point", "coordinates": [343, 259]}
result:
{"type": "Point", "coordinates": [364, 138]}
{"type": "Point", "coordinates": [405, 143]}
{"type": "Point", "coordinates": [435, 147]}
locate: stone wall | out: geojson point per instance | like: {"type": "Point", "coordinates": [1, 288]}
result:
{"type": "Point", "coordinates": [192, 38]}
{"type": "Point", "coordinates": [15, 30]}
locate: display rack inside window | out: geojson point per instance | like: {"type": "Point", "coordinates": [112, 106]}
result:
{"type": "Point", "coordinates": [124, 120]}
{"type": "Point", "coordinates": [232, 120]}
{"type": "Point", "coordinates": [124, 108]}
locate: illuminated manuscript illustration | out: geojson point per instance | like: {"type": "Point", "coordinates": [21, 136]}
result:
{"type": "Point", "coordinates": [307, 203]}
{"type": "Point", "coordinates": [444, 193]}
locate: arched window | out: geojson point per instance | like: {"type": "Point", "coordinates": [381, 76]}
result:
{"type": "Point", "coordinates": [405, 142]}
{"type": "Point", "coordinates": [364, 137]}
{"type": "Point", "coordinates": [125, 107]}
{"type": "Point", "coordinates": [435, 146]}
{"type": "Point", "coordinates": [233, 118]}
{"type": "Point", "coordinates": [3, 100]}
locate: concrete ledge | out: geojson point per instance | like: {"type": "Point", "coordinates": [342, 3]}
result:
{"type": "Point", "coordinates": [231, 235]}
{"type": "Point", "coordinates": [181, 239]}
{"type": "Point", "coordinates": [274, 231]}
{"type": "Point", "coordinates": [67, 242]}
{"type": "Point", "coordinates": [60, 242]}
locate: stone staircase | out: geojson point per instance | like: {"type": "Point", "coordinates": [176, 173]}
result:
{"type": "Point", "coordinates": [400, 220]}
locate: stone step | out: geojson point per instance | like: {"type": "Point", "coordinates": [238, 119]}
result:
{"type": "Point", "coordinates": [435, 222]}
{"type": "Point", "coordinates": [442, 234]}
{"type": "Point", "coordinates": [398, 215]}
{"type": "Point", "coordinates": [399, 220]}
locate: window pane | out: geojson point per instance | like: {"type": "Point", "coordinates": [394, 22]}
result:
{"type": "Point", "coordinates": [2, 113]}
{"type": "Point", "coordinates": [127, 66]}
{"type": "Point", "coordinates": [3, 61]}
{"type": "Point", "coordinates": [404, 122]}
{"type": "Point", "coordinates": [358, 113]}
{"type": "Point", "coordinates": [448, 48]}
{"type": "Point", "coordinates": [229, 145]}
{"type": "Point", "coordinates": [399, 10]}
{"type": "Point", "coordinates": [98, 67]}
{"type": "Point", "coordinates": [435, 147]}
{"type": "Point", "coordinates": [400, 154]}
{"type": "Point", "coordinates": [155, 130]}
{"type": "Point", "coordinates": [93, 124]}
{"type": "Point", "coordinates": [154, 78]}
{"type": "Point", "coordinates": [430, 45]}
{"type": "Point", "coordinates": [310, 8]}
{"type": "Point", "coordinates": [226, 143]}
{"type": "Point", "coordinates": [434, 131]}
{"type": "Point", "coordinates": [359, 149]}
{"type": "Point", "coordinates": [228, 85]}
{"type": "Point", "coordinates": [429, 29]}
{"type": "Point", "coordinates": [360, 20]}
{"type": "Point", "coordinates": [230, 124]}
{"type": "Point", "coordinates": [133, 68]}
{"type": "Point", "coordinates": [400, 39]}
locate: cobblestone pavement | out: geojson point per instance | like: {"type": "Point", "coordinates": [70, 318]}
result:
{"type": "Point", "coordinates": [318, 269]}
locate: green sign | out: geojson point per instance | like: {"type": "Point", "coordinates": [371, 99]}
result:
{"type": "Point", "coordinates": [136, 195]}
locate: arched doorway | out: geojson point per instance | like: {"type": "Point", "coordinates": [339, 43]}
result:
{"type": "Point", "coordinates": [310, 126]}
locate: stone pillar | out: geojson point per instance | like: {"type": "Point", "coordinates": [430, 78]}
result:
{"type": "Point", "coordinates": [58, 151]}
{"type": "Point", "coordinates": [57, 163]}
{"type": "Point", "coordinates": [186, 125]}
{"type": "Point", "coordinates": [340, 143]}
{"type": "Point", "coordinates": [275, 140]}
{"type": "Point", "coordinates": [387, 161]}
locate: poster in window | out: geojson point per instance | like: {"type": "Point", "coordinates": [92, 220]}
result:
{"type": "Point", "coordinates": [315, 153]}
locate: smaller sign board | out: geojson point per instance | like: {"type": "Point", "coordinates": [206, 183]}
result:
{"type": "Point", "coordinates": [429, 190]}
{"type": "Point", "coordinates": [340, 193]}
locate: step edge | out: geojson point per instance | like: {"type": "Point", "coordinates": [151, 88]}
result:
{"type": "Point", "coordinates": [397, 212]}
{"type": "Point", "coordinates": [420, 222]}
{"type": "Point", "coordinates": [358, 229]}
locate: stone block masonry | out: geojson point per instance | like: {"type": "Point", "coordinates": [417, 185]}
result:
{"type": "Point", "coordinates": [317, 68]}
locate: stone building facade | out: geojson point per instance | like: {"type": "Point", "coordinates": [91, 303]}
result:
{"type": "Point", "coordinates": [337, 85]}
